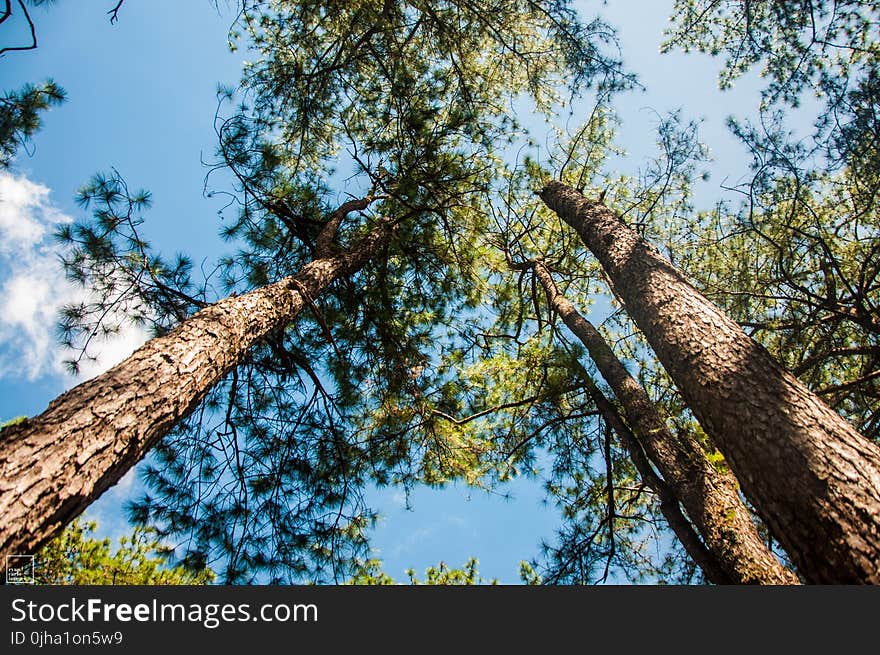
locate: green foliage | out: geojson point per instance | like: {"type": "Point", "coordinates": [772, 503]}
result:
{"type": "Point", "coordinates": [804, 44]}
{"type": "Point", "coordinates": [443, 575]}
{"type": "Point", "coordinates": [75, 557]}
{"type": "Point", "coordinates": [611, 530]}
{"type": "Point", "coordinates": [796, 263]}
{"type": "Point", "coordinates": [528, 575]}
{"type": "Point", "coordinates": [439, 360]}
{"type": "Point", "coordinates": [413, 104]}
{"type": "Point", "coordinates": [20, 116]}
{"type": "Point", "coordinates": [127, 282]}
{"type": "Point", "coordinates": [371, 573]}
{"type": "Point", "coordinates": [797, 269]}
{"type": "Point", "coordinates": [825, 48]}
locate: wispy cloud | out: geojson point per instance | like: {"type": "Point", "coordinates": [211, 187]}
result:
{"type": "Point", "coordinates": [399, 499]}
{"type": "Point", "coordinates": [33, 289]}
{"type": "Point", "coordinates": [413, 541]}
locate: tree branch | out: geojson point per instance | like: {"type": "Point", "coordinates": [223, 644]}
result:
{"type": "Point", "coordinates": [27, 16]}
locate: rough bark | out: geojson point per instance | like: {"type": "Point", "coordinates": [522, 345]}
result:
{"type": "Point", "coordinates": [55, 464]}
{"type": "Point", "coordinates": [814, 480]}
{"type": "Point", "coordinates": [709, 496]}
{"type": "Point", "coordinates": [669, 505]}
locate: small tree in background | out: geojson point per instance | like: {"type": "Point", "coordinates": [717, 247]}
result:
{"type": "Point", "coordinates": [77, 557]}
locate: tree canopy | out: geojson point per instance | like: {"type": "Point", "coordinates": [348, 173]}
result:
{"type": "Point", "coordinates": [315, 411]}
{"type": "Point", "coordinates": [76, 557]}
{"type": "Point", "coordinates": [441, 356]}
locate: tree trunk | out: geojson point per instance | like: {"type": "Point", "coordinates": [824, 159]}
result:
{"type": "Point", "coordinates": [669, 505]}
{"type": "Point", "coordinates": [814, 480]}
{"type": "Point", "coordinates": [710, 497]}
{"type": "Point", "coordinates": [55, 464]}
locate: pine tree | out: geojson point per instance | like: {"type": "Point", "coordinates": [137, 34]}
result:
{"type": "Point", "coordinates": [54, 465]}
{"type": "Point", "coordinates": [413, 93]}
{"type": "Point", "coordinates": [20, 116]}
{"type": "Point", "coordinates": [812, 478]}
{"type": "Point", "coordinates": [76, 557]}
{"type": "Point", "coordinates": [710, 496]}
{"type": "Point", "coordinates": [794, 264]}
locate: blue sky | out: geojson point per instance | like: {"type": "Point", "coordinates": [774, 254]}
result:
{"type": "Point", "coordinates": [141, 98]}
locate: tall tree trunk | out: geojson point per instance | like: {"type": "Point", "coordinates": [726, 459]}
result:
{"type": "Point", "coordinates": [669, 505]}
{"type": "Point", "coordinates": [55, 464]}
{"type": "Point", "coordinates": [814, 480]}
{"type": "Point", "coordinates": [710, 497]}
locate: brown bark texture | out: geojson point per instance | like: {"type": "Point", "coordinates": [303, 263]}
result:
{"type": "Point", "coordinates": [52, 466]}
{"type": "Point", "coordinates": [813, 479]}
{"type": "Point", "coordinates": [709, 496]}
{"type": "Point", "coordinates": [669, 505]}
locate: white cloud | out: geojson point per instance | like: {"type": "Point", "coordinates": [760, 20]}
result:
{"type": "Point", "coordinates": [457, 521]}
{"type": "Point", "coordinates": [413, 541]}
{"type": "Point", "coordinates": [399, 499]}
{"type": "Point", "coordinates": [112, 351]}
{"type": "Point", "coordinates": [23, 210]}
{"type": "Point", "coordinates": [33, 289]}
